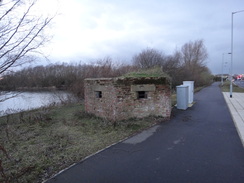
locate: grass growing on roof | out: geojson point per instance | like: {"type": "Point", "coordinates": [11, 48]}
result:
{"type": "Point", "coordinates": [154, 72]}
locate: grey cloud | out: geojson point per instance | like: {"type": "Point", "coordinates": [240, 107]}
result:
{"type": "Point", "coordinates": [164, 25]}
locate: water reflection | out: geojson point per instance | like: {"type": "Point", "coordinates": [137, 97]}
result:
{"type": "Point", "coordinates": [12, 102]}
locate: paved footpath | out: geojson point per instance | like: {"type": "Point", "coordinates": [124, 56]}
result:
{"type": "Point", "coordinates": [236, 107]}
{"type": "Point", "coordinates": [199, 145]}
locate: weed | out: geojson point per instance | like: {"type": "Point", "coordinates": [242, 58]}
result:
{"type": "Point", "coordinates": [80, 114]}
{"type": "Point", "coordinates": [44, 141]}
{"type": "Point", "coordinates": [153, 72]}
{"type": "Point", "coordinates": [133, 126]}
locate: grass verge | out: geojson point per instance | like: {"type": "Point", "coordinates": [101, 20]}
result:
{"type": "Point", "coordinates": [37, 144]}
{"type": "Point", "coordinates": [226, 87]}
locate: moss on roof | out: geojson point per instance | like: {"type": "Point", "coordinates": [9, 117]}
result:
{"type": "Point", "coordinates": [154, 72]}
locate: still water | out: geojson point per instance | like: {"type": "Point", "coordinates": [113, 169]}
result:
{"type": "Point", "coordinates": [12, 102]}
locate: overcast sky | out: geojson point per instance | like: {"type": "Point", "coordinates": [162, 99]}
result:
{"type": "Point", "coordinates": [87, 30]}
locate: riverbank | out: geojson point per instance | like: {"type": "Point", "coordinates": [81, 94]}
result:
{"type": "Point", "coordinates": [49, 88]}
{"type": "Point", "coordinates": [39, 143]}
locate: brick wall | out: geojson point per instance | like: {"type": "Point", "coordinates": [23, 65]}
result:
{"type": "Point", "coordinates": [122, 98]}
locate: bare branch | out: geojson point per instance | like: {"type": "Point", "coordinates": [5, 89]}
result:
{"type": "Point", "coordinates": [149, 58]}
{"type": "Point", "coordinates": [20, 35]}
{"type": "Point", "coordinates": [16, 29]}
{"type": "Point", "coordinates": [10, 9]}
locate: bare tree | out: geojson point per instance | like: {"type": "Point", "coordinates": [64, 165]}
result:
{"type": "Point", "coordinates": [172, 63]}
{"type": "Point", "coordinates": [21, 32]}
{"type": "Point", "coordinates": [148, 58]}
{"type": "Point", "coordinates": [194, 55]}
{"type": "Point", "coordinates": [172, 66]}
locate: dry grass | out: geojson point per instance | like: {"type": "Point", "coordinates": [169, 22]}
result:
{"type": "Point", "coordinates": [153, 72]}
{"type": "Point", "coordinates": [42, 142]}
{"type": "Point", "coordinates": [226, 87]}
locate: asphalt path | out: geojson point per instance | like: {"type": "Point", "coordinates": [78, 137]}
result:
{"type": "Point", "coordinates": [199, 145]}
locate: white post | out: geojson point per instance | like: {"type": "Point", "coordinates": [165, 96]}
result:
{"type": "Point", "coordinates": [231, 67]}
{"type": "Point", "coordinates": [222, 82]}
{"type": "Point", "coordinates": [231, 58]}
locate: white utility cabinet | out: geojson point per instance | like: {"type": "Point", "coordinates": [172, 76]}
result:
{"type": "Point", "coordinates": [190, 90]}
{"type": "Point", "coordinates": [182, 96]}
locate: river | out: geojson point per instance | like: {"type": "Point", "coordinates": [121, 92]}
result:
{"type": "Point", "coordinates": [13, 102]}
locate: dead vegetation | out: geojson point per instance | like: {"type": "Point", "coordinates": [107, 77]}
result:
{"type": "Point", "coordinates": [37, 144]}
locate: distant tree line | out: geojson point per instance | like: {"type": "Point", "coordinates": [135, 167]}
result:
{"type": "Point", "coordinates": [188, 63]}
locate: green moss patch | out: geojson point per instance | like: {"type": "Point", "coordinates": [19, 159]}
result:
{"type": "Point", "coordinates": [154, 72]}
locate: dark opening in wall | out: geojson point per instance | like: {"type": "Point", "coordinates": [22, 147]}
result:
{"type": "Point", "coordinates": [141, 94]}
{"type": "Point", "coordinates": [98, 94]}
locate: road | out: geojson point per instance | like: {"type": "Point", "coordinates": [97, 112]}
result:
{"type": "Point", "coordinates": [199, 145]}
{"type": "Point", "coordinates": [240, 83]}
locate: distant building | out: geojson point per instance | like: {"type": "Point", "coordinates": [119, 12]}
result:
{"type": "Point", "coordinates": [130, 97]}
